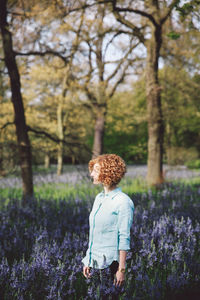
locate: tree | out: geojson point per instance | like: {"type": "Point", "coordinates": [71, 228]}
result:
{"type": "Point", "coordinates": [8, 152]}
{"type": "Point", "coordinates": [52, 43]}
{"type": "Point", "coordinates": [61, 78]}
{"type": "Point", "coordinates": [101, 76]}
{"type": "Point", "coordinates": [20, 121]}
{"type": "Point", "coordinates": [48, 96]}
{"type": "Point", "coordinates": [67, 84]}
{"type": "Point", "coordinates": [38, 43]}
{"type": "Point", "coordinates": [152, 16]}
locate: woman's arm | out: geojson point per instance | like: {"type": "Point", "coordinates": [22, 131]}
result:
{"type": "Point", "coordinates": [120, 275]}
{"type": "Point", "coordinates": [122, 259]}
{"type": "Point", "coordinates": [125, 219]}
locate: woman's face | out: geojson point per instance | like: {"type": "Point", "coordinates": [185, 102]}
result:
{"type": "Point", "coordinates": [95, 173]}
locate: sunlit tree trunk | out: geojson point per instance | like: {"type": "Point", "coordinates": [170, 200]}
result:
{"type": "Point", "coordinates": [155, 119]}
{"type": "Point", "coordinates": [98, 134]}
{"type": "Point", "coordinates": [46, 161]}
{"type": "Point", "coordinates": [60, 159]}
{"type": "Point", "coordinates": [101, 100]}
{"type": "Point", "coordinates": [20, 121]}
{"type": "Point", "coordinates": [168, 141]}
{"type": "Point", "coordinates": [73, 157]}
{"type": "Point", "coordinates": [61, 137]}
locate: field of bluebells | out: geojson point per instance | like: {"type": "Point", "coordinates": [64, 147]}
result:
{"type": "Point", "coordinates": [42, 244]}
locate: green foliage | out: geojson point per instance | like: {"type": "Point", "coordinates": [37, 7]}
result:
{"type": "Point", "coordinates": [193, 164]}
{"type": "Point", "coordinates": [173, 35]}
{"type": "Point", "coordinates": [187, 8]}
{"type": "Point", "coordinates": [181, 155]}
{"type": "Point", "coordinates": [126, 125]}
{"type": "Point", "coordinates": [180, 102]}
{"type": "Point", "coordinates": [127, 146]}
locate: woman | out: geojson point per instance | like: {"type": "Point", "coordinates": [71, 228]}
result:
{"type": "Point", "coordinates": [110, 221]}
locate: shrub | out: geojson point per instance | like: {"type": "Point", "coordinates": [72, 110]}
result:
{"type": "Point", "coordinates": [193, 164]}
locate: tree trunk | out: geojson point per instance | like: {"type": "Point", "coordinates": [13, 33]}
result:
{"type": "Point", "coordinates": [46, 161]}
{"type": "Point", "coordinates": [61, 137]}
{"type": "Point", "coordinates": [155, 118]}
{"type": "Point", "coordinates": [73, 158]}
{"type": "Point", "coordinates": [168, 141]}
{"type": "Point", "coordinates": [20, 121]}
{"type": "Point", "coordinates": [60, 159]}
{"type": "Point", "coordinates": [2, 92]}
{"type": "Point", "coordinates": [98, 134]}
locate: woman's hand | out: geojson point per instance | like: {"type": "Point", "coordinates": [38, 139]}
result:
{"type": "Point", "coordinates": [119, 278]}
{"type": "Point", "coordinates": [86, 272]}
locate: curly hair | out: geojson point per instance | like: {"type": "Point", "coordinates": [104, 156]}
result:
{"type": "Point", "coordinates": [112, 168]}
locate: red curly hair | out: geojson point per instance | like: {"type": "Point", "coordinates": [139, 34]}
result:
{"type": "Point", "coordinates": [112, 168]}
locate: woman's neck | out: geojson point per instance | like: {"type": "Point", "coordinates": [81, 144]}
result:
{"type": "Point", "coordinates": [108, 189]}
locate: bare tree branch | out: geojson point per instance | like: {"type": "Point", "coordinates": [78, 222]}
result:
{"type": "Point", "coordinates": [171, 6]}
{"type": "Point", "coordinates": [90, 94]}
{"type": "Point", "coordinates": [7, 124]}
{"type": "Point", "coordinates": [136, 11]}
{"type": "Point", "coordinates": [39, 53]}
{"type": "Point", "coordinates": [84, 6]}
{"type": "Point", "coordinates": [113, 37]}
{"type": "Point", "coordinates": [120, 62]}
{"type": "Point", "coordinates": [53, 138]}
{"type": "Point", "coordinates": [135, 29]}
{"type": "Point", "coordinates": [120, 80]}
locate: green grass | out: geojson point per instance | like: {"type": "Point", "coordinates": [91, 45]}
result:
{"type": "Point", "coordinates": [54, 192]}
{"type": "Point", "coordinates": [136, 185]}
{"type": "Point", "coordinates": [65, 191]}
{"type": "Point", "coordinates": [10, 193]}
{"type": "Point", "coordinates": [194, 182]}
{"type": "Point", "coordinates": [86, 191]}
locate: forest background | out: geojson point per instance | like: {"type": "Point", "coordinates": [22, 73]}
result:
{"type": "Point", "coordinates": [92, 77]}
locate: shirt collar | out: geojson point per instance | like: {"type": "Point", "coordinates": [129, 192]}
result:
{"type": "Point", "coordinates": [111, 193]}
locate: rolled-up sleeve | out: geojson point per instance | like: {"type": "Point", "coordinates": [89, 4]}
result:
{"type": "Point", "coordinates": [125, 220]}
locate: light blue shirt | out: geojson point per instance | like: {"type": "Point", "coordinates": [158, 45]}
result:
{"type": "Point", "coordinates": [110, 221]}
